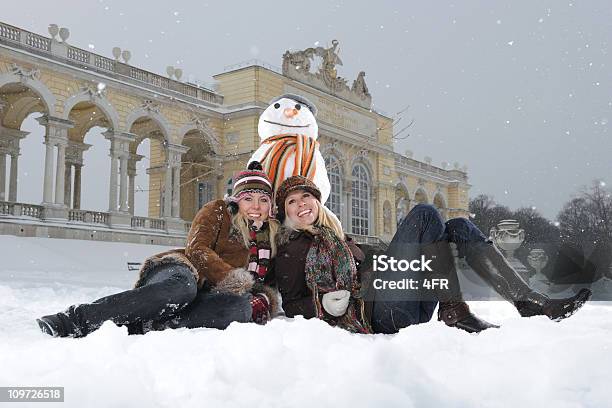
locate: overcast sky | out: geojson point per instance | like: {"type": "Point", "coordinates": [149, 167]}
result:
{"type": "Point", "coordinates": [517, 91]}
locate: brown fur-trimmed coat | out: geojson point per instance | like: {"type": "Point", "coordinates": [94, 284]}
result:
{"type": "Point", "coordinates": [215, 253]}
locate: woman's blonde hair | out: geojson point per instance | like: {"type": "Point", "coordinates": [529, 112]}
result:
{"type": "Point", "coordinates": [325, 219]}
{"type": "Point", "coordinates": [241, 223]}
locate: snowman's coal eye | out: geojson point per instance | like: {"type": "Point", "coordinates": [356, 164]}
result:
{"type": "Point", "coordinates": [298, 106]}
{"type": "Point", "coordinates": [277, 105]}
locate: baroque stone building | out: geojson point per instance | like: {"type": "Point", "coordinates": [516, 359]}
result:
{"type": "Point", "coordinates": [199, 138]}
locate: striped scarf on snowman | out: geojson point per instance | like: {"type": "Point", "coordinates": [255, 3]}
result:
{"type": "Point", "coordinates": [275, 159]}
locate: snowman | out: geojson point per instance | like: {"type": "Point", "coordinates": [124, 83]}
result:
{"type": "Point", "coordinates": [288, 132]}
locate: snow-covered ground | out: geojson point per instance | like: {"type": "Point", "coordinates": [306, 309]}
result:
{"type": "Point", "coordinates": [289, 362]}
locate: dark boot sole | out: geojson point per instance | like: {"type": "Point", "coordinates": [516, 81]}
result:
{"type": "Point", "coordinates": [47, 328]}
{"type": "Point", "coordinates": [581, 298]}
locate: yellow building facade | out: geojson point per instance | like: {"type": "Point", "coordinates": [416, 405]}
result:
{"type": "Point", "coordinates": [199, 138]}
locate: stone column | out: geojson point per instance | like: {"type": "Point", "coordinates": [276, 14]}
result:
{"type": "Point", "coordinates": [348, 207]}
{"type": "Point", "coordinates": [176, 190]}
{"type": "Point", "coordinates": [123, 205]}
{"type": "Point", "coordinates": [172, 197]}
{"type": "Point", "coordinates": [68, 184]}
{"type": "Point", "coordinates": [13, 181]}
{"type": "Point", "coordinates": [133, 159]}
{"type": "Point", "coordinates": [48, 180]}
{"type": "Point", "coordinates": [2, 176]}
{"type": "Point", "coordinates": [56, 135]}
{"type": "Point", "coordinates": [112, 194]}
{"type": "Point", "coordinates": [9, 145]}
{"type": "Point", "coordinates": [74, 156]}
{"type": "Point", "coordinates": [167, 191]}
{"type": "Point", "coordinates": [60, 171]}
{"type": "Point", "coordinates": [76, 198]}
{"type": "Point", "coordinates": [131, 180]}
{"type": "Point", "coordinates": [119, 152]}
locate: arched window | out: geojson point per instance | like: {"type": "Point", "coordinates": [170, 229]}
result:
{"type": "Point", "coordinates": [335, 180]}
{"type": "Point", "coordinates": [360, 201]}
{"type": "Point", "coordinates": [438, 202]}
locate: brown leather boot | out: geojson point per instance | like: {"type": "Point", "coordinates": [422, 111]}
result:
{"type": "Point", "coordinates": [458, 314]}
{"type": "Point", "coordinates": [452, 310]}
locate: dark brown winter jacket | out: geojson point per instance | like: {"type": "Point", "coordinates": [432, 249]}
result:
{"type": "Point", "coordinates": [290, 274]}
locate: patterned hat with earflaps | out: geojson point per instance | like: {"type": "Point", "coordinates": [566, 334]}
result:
{"type": "Point", "coordinates": [252, 180]}
{"type": "Point", "coordinates": [290, 185]}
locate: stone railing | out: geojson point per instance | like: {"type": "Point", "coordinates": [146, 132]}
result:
{"type": "Point", "coordinates": [368, 240]}
{"type": "Point", "coordinates": [148, 223]}
{"type": "Point", "coordinates": [89, 217]}
{"type": "Point", "coordinates": [16, 37]}
{"type": "Point", "coordinates": [252, 62]}
{"type": "Point", "coordinates": [187, 226]}
{"type": "Point", "coordinates": [406, 163]}
{"type": "Point", "coordinates": [21, 209]}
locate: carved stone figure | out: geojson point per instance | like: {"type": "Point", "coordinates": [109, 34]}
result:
{"type": "Point", "coordinates": [360, 87]}
{"type": "Point", "coordinates": [297, 65]}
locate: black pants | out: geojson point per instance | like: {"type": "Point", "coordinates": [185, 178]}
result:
{"type": "Point", "coordinates": [163, 297]}
{"type": "Point", "coordinates": [213, 310]}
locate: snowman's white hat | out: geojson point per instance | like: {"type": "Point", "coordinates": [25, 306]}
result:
{"type": "Point", "coordinates": [297, 98]}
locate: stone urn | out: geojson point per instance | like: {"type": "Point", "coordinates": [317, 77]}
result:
{"type": "Point", "coordinates": [508, 236]}
{"type": "Point", "coordinates": [538, 259]}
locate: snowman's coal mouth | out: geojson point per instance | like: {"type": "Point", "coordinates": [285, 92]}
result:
{"type": "Point", "coordinates": [282, 124]}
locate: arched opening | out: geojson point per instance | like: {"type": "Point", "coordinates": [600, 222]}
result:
{"type": "Point", "coordinates": [420, 197]}
{"type": "Point", "coordinates": [198, 174]}
{"type": "Point", "coordinates": [402, 203]}
{"type": "Point", "coordinates": [22, 151]}
{"type": "Point", "coordinates": [440, 204]}
{"type": "Point", "coordinates": [147, 167]}
{"type": "Point", "coordinates": [87, 178]}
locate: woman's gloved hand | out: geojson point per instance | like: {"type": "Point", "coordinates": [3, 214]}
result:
{"type": "Point", "coordinates": [261, 308]}
{"type": "Point", "coordinates": [335, 303]}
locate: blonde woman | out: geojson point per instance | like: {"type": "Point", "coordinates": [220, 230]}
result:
{"type": "Point", "coordinates": [219, 277]}
{"type": "Point", "coordinates": [317, 272]}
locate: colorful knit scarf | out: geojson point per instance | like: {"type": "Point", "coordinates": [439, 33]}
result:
{"type": "Point", "coordinates": [259, 250]}
{"type": "Point", "coordinates": [282, 146]}
{"type": "Point", "coordinates": [329, 267]}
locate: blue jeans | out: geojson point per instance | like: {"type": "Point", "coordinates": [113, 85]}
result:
{"type": "Point", "coordinates": [423, 225]}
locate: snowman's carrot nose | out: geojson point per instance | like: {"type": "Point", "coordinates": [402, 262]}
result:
{"type": "Point", "coordinates": [290, 112]}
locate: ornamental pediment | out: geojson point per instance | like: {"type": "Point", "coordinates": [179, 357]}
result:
{"type": "Point", "coordinates": [300, 65]}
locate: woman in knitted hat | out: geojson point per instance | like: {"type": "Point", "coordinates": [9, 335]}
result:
{"type": "Point", "coordinates": [219, 277]}
{"type": "Point", "coordinates": [319, 273]}
{"type": "Point", "coordinates": [315, 270]}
